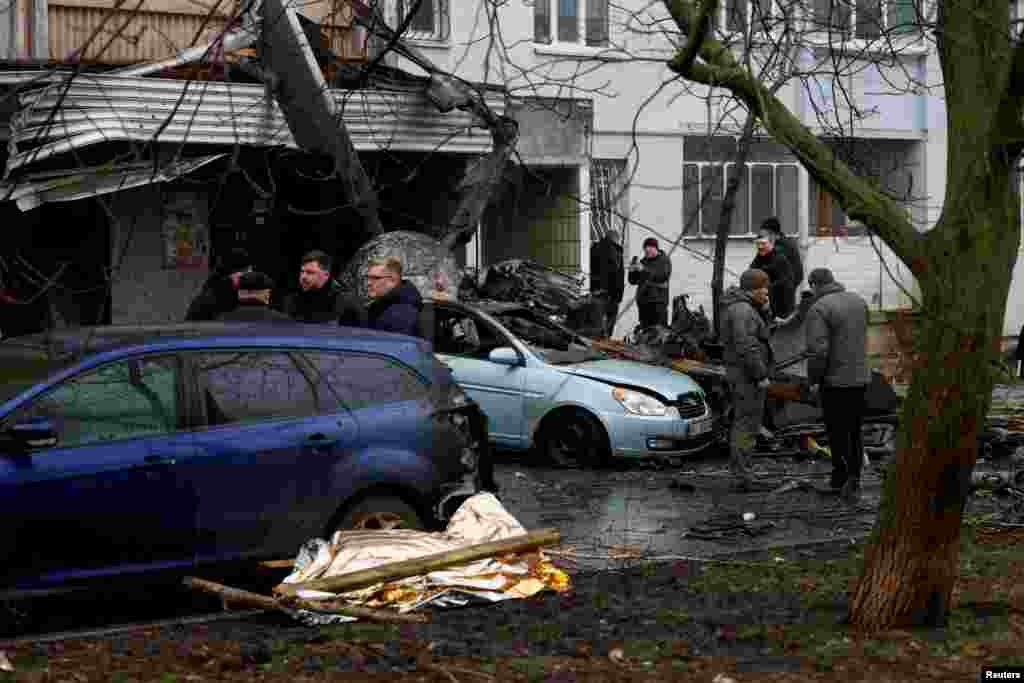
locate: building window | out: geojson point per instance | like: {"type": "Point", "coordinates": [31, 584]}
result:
{"type": "Point", "coordinates": [866, 19]}
{"type": "Point", "coordinates": [828, 218]}
{"type": "Point", "coordinates": [736, 16]}
{"type": "Point", "coordinates": [769, 189]}
{"type": "Point", "coordinates": [429, 20]}
{"type": "Point", "coordinates": [574, 22]}
{"type": "Point", "coordinates": [609, 203]}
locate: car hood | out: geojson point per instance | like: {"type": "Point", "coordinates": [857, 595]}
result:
{"type": "Point", "coordinates": [665, 381]}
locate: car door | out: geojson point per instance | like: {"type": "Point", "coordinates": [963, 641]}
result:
{"type": "Point", "coordinates": [391, 405]}
{"type": "Point", "coordinates": [262, 452]}
{"type": "Point", "coordinates": [463, 342]}
{"type": "Point", "coordinates": [106, 496]}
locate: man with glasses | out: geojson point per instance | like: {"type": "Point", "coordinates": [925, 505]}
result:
{"type": "Point", "coordinates": [395, 304]}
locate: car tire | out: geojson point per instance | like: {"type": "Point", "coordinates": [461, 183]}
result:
{"type": "Point", "coordinates": [380, 514]}
{"type": "Point", "coordinates": [574, 440]}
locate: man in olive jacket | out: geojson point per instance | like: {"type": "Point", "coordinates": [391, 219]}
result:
{"type": "Point", "coordinates": [748, 362]}
{"type": "Point", "coordinates": [651, 275]}
{"type": "Point", "coordinates": [837, 331]}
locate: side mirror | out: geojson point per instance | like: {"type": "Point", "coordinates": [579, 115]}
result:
{"type": "Point", "coordinates": [35, 434]}
{"type": "Point", "coordinates": [504, 355]}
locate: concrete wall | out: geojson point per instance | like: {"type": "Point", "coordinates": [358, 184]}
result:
{"type": "Point", "coordinates": [144, 291]}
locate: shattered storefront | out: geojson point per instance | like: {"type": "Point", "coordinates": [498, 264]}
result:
{"type": "Point", "coordinates": [219, 168]}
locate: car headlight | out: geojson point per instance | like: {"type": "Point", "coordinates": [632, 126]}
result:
{"type": "Point", "coordinates": [639, 404]}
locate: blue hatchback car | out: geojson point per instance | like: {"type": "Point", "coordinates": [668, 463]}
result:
{"type": "Point", "coordinates": [129, 450]}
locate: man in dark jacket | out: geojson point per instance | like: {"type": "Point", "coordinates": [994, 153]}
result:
{"type": "Point", "coordinates": [651, 275]}
{"type": "Point", "coordinates": [837, 331]}
{"type": "Point", "coordinates": [395, 304]}
{"type": "Point", "coordinates": [777, 266]}
{"type": "Point", "coordinates": [220, 292]}
{"type": "Point", "coordinates": [254, 301]}
{"type": "Point", "coordinates": [748, 361]}
{"type": "Point", "coordinates": [320, 298]}
{"type": "Point", "coordinates": [608, 275]}
{"type": "Point", "coordinates": [789, 248]}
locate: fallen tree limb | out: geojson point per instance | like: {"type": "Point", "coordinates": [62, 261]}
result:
{"type": "Point", "coordinates": [244, 597]}
{"type": "Point", "coordinates": [394, 571]}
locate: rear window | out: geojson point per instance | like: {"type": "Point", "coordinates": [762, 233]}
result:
{"type": "Point", "coordinates": [360, 380]}
{"type": "Point", "coordinates": [22, 367]}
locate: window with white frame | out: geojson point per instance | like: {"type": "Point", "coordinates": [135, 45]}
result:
{"type": "Point", "coordinates": [866, 19]}
{"type": "Point", "coordinates": [571, 22]}
{"type": "Point", "coordinates": [429, 19]}
{"type": "Point", "coordinates": [737, 16]}
{"type": "Point", "coordinates": [768, 189]}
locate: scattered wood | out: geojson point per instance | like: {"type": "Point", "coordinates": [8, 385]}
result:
{"type": "Point", "coordinates": [994, 481]}
{"type": "Point", "coordinates": [394, 571]}
{"type": "Point", "coordinates": [278, 564]}
{"type": "Point", "coordinates": [238, 596]}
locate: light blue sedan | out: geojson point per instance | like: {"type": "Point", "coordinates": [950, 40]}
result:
{"type": "Point", "coordinates": [543, 387]}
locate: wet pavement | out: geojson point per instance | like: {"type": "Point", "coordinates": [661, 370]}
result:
{"type": "Point", "coordinates": [614, 518]}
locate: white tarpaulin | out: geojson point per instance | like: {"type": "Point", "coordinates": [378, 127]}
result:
{"type": "Point", "coordinates": [481, 519]}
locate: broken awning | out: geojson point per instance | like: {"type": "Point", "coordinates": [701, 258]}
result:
{"type": "Point", "coordinates": [66, 186]}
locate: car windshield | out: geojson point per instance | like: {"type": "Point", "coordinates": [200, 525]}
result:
{"type": "Point", "coordinates": [553, 343]}
{"type": "Point", "coordinates": [23, 366]}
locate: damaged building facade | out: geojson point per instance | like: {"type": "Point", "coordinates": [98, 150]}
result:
{"type": "Point", "coordinates": [599, 147]}
{"type": "Point", "coordinates": [606, 73]}
{"type": "Point", "coordinates": [152, 162]}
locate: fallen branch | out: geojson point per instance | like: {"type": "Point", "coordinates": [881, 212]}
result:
{"type": "Point", "coordinates": [244, 597]}
{"type": "Point", "coordinates": [394, 571]}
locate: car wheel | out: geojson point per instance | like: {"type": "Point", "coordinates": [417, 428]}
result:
{"type": "Point", "coordinates": [381, 514]}
{"type": "Point", "coordinates": [575, 440]}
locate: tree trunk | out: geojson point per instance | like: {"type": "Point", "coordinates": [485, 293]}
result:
{"type": "Point", "coordinates": [725, 219]}
{"type": "Point", "coordinates": [912, 561]}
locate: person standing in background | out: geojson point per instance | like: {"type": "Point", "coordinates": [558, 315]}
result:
{"type": "Point", "coordinates": [608, 275]}
{"type": "Point", "coordinates": [651, 276]}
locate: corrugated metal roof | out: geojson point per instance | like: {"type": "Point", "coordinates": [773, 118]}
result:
{"type": "Point", "coordinates": [96, 109]}
{"type": "Point", "coordinates": [33, 191]}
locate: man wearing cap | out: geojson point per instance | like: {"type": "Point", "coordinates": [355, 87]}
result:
{"type": "Point", "coordinates": [253, 304]}
{"type": "Point", "coordinates": [651, 275]}
{"type": "Point", "coordinates": [748, 361]}
{"type": "Point", "coordinates": [788, 248]}
{"type": "Point", "coordinates": [773, 262]}
{"type": "Point", "coordinates": [607, 275]}
{"type": "Point", "coordinates": [219, 293]}
{"type": "Point", "coordinates": [837, 332]}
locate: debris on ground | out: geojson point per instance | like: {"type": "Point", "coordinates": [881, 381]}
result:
{"type": "Point", "coordinates": [381, 575]}
{"type": "Point", "coordinates": [5, 663]}
{"type": "Point", "coordinates": [451, 575]}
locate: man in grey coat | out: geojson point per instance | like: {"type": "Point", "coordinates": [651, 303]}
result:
{"type": "Point", "coordinates": [748, 361]}
{"type": "Point", "coordinates": [837, 331]}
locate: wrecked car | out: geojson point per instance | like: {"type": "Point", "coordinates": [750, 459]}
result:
{"type": "Point", "coordinates": [542, 386]}
{"type": "Point", "coordinates": [130, 450]}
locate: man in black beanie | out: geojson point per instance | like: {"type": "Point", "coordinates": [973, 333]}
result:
{"type": "Point", "coordinates": [651, 275]}
{"type": "Point", "coordinates": [253, 305]}
{"type": "Point", "coordinates": [219, 293]}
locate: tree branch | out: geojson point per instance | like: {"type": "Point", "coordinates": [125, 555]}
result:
{"type": "Point", "coordinates": [681, 62]}
{"type": "Point", "coordinates": [859, 199]}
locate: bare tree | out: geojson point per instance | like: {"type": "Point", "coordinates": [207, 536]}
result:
{"type": "Point", "coordinates": [911, 566]}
